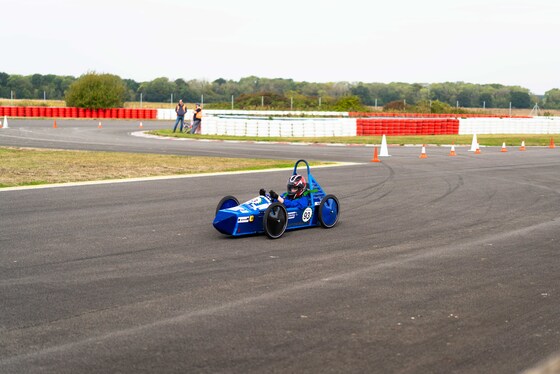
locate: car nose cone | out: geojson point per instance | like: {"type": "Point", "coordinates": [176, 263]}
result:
{"type": "Point", "coordinates": [225, 222]}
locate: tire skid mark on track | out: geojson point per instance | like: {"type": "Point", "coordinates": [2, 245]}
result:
{"type": "Point", "coordinates": [450, 189]}
{"type": "Point", "coordinates": [372, 190]}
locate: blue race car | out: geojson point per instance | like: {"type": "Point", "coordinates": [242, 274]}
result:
{"type": "Point", "coordinates": [261, 214]}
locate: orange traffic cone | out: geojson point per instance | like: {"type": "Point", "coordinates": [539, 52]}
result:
{"type": "Point", "coordinates": [99, 126]}
{"type": "Point", "coordinates": [522, 148]}
{"type": "Point", "coordinates": [54, 124]}
{"type": "Point", "coordinates": [423, 153]}
{"type": "Point", "coordinates": [452, 152]}
{"type": "Point", "coordinates": [504, 149]}
{"type": "Point", "coordinates": [375, 158]}
{"type": "Point", "coordinates": [141, 126]}
{"type": "Point", "coordinates": [551, 143]}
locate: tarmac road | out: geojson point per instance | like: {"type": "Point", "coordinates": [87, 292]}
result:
{"type": "Point", "coordinates": [441, 265]}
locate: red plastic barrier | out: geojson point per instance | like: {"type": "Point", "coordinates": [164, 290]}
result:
{"type": "Point", "coordinates": [406, 126]}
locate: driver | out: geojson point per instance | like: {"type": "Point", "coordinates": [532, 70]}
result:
{"type": "Point", "coordinates": [295, 197]}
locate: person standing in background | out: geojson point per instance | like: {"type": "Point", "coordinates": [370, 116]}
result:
{"type": "Point", "coordinates": [197, 119]}
{"type": "Point", "coordinates": [181, 110]}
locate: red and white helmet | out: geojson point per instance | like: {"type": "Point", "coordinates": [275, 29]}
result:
{"type": "Point", "coordinates": [296, 186]}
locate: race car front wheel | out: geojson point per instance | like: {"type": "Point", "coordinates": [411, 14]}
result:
{"type": "Point", "coordinates": [227, 202]}
{"type": "Point", "coordinates": [275, 220]}
{"type": "Point", "coordinates": [328, 211]}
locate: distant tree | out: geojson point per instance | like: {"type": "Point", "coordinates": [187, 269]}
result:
{"type": "Point", "coordinates": [363, 93]}
{"type": "Point", "coordinates": [158, 90]}
{"type": "Point", "coordinates": [132, 90]}
{"type": "Point", "coordinates": [268, 99]}
{"type": "Point", "coordinates": [486, 98]}
{"type": "Point", "coordinates": [502, 97]}
{"type": "Point", "coordinates": [96, 91]}
{"type": "Point", "coordinates": [520, 98]}
{"type": "Point", "coordinates": [4, 79]}
{"type": "Point", "coordinates": [439, 107]}
{"type": "Point", "coordinates": [4, 90]}
{"type": "Point", "coordinates": [552, 99]}
{"type": "Point", "coordinates": [468, 95]}
{"type": "Point", "coordinates": [22, 87]}
{"type": "Point", "coordinates": [349, 104]}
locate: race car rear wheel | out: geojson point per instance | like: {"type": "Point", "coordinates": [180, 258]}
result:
{"type": "Point", "coordinates": [328, 211]}
{"type": "Point", "coordinates": [275, 220]}
{"type": "Point", "coordinates": [227, 202]}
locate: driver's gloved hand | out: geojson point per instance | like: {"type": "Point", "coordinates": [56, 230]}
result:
{"type": "Point", "coordinates": [262, 192]}
{"type": "Point", "coordinates": [273, 194]}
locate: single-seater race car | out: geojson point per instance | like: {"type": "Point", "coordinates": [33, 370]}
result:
{"type": "Point", "coordinates": [261, 214]}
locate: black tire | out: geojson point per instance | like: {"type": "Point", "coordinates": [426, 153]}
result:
{"type": "Point", "coordinates": [227, 202]}
{"type": "Point", "coordinates": [329, 211]}
{"type": "Point", "coordinates": [275, 220]}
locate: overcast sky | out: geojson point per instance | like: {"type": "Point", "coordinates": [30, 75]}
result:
{"type": "Point", "coordinates": [510, 42]}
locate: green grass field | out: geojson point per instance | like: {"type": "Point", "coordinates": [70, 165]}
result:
{"type": "Point", "coordinates": [29, 166]}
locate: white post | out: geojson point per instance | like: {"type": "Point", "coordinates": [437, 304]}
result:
{"type": "Point", "coordinates": [171, 99]}
{"type": "Point", "coordinates": [510, 108]}
{"type": "Point", "coordinates": [291, 103]}
{"type": "Point", "coordinates": [484, 105]}
{"type": "Point", "coordinates": [44, 95]}
{"type": "Point", "coordinates": [319, 101]}
{"type": "Point", "coordinates": [375, 103]}
{"type": "Point", "coordinates": [202, 100]}
{"type": "Point", "coordinates": [140, 99]}
{"type": "Point", "coordinates": [262, 101]}
{"type": "Point", "coordinates": [231, 102]}
{"type": "Point", "coordinates": [457, 104]}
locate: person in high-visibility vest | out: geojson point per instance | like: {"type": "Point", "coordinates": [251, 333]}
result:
{"type": "Point", "coordinates": [181, 110]}
{"type": "Point", "coordinates": [197, 119]}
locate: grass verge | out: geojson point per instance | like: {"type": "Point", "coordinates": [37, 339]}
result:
{"type": "Point", "coordinates": [29, 166]}
{"type": "Point", "coordinates": [483, 140]}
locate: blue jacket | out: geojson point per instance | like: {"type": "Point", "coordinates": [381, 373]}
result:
{"type": "Point", "coordinates": [301, 202]}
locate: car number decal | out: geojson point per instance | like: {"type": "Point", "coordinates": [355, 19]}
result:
{"type": "Point", "coordinates": [307, 213]}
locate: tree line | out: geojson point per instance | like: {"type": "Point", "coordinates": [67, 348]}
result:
{"type": "Point", "coordinates": [280, 93]}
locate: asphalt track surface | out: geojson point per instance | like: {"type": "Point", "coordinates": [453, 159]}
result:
{"type": "Point", "coordinates": [437, 265]}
